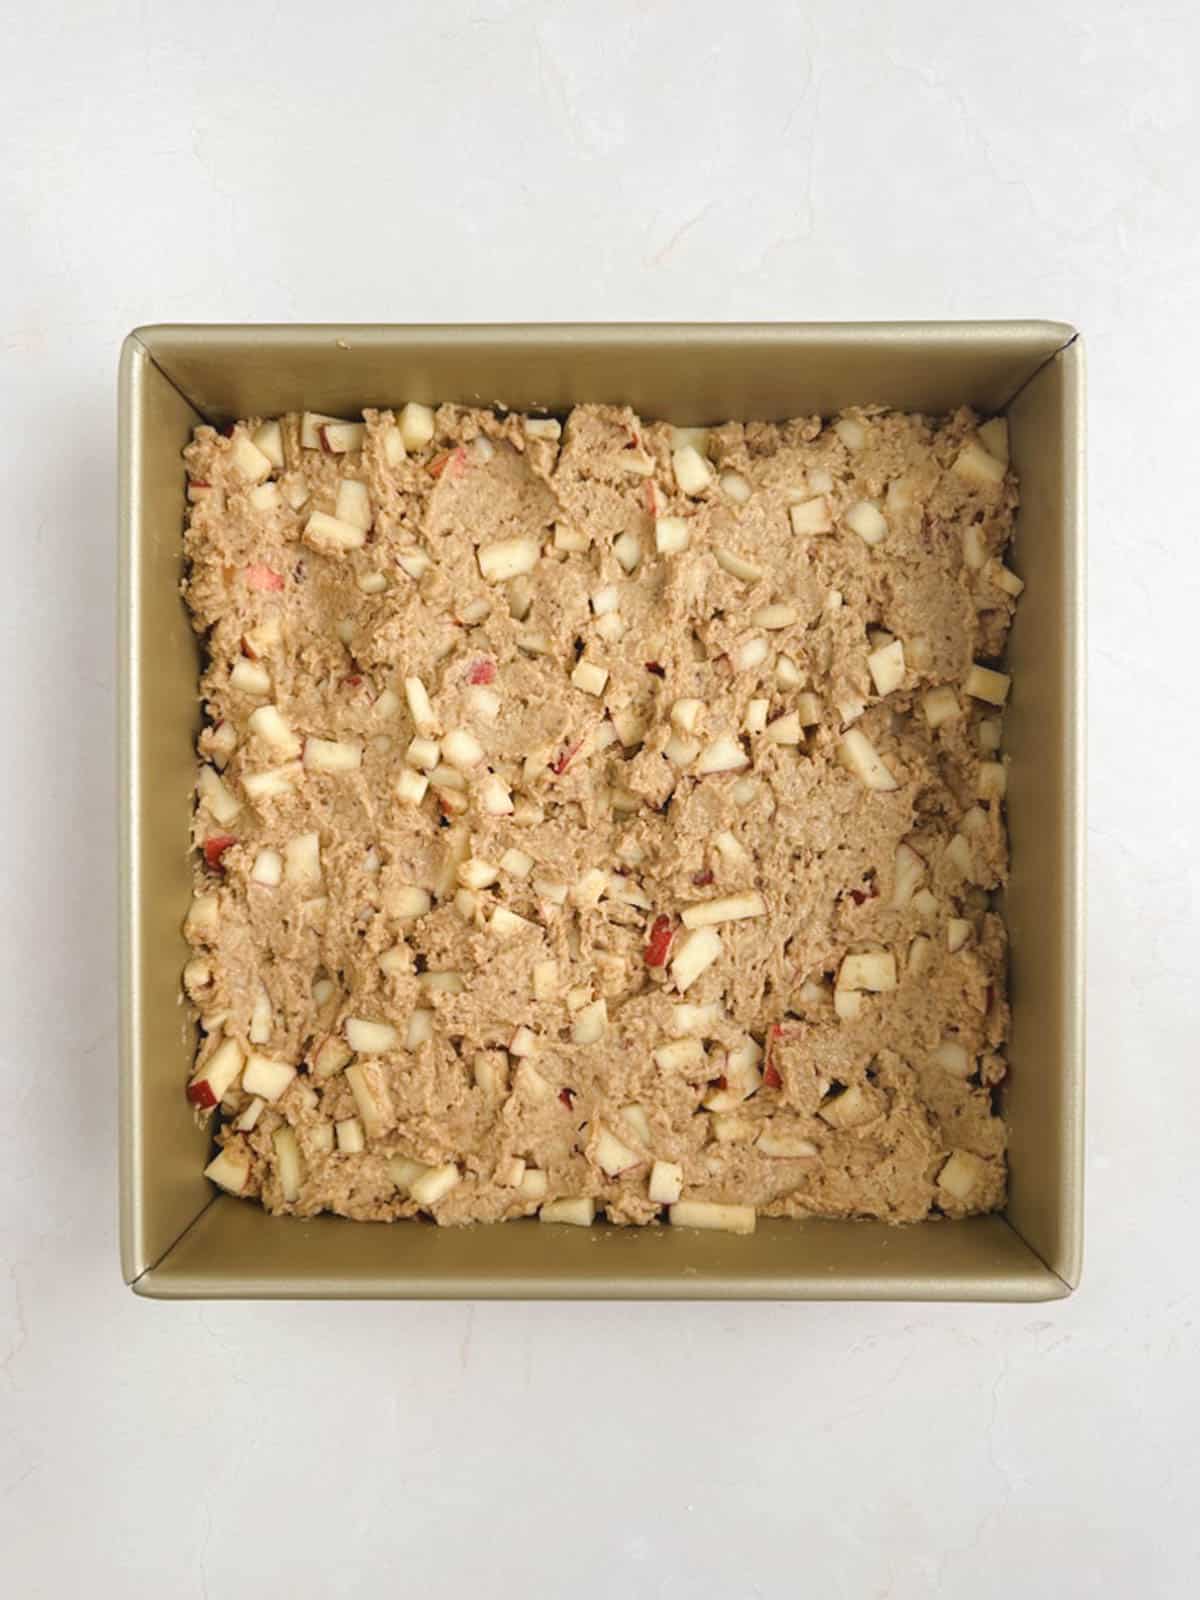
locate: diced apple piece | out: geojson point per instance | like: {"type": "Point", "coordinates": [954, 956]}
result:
{"type": "Point", "coordinates": [695, 952]}
{"type": "Point", "coordinates": [435, 1185]}
{"type": "Point", "coordinates": [735, 487]}
{"type": "Point", "coordinates": [533, 1185]}
{"type": "Point", "coordinates": [886, 667]}
{"type": "Point", "coordinates": [749, 654]}
{"type": "Point", "coordinates": [516, 863]}
{"type": "Point", "coordinates": [505, 924]}
{"type": "Point", "coordinates": [331, 536]}
{"type": "Point", "coordinates": [413, 562]}
{"type": "Point", "coordinates": [475, 873]}
{"type": "Point", "coordinates": [681, 1055]}
{"type": "Point", "coordinates": [369, 1038]}
{"type": "Point", "coordinates": [264, 496]}
{"type": "Point", "coordinates": [507, 558]}
{"type": "Point", "coordinates": [419, 1030]}
{"type": "Point", "coordinates": [267, 869]}
{"type": "Point", "coordinates": [730, 850]}
{"type": "Point", "coordinates": [925, 903]}
{"type": "Point", "coordinates": [785, 730]}
{"type": "Point", "coordinates": [958, 852]}
{"type": "Point", "coordinates": [524, 1042]}
{"type": "Point", "coordinates": [371, 1098]}
{"type": "Point", "coordinates": [589, 888]}
{"type": "Point", "coordinates": [850, 1109]}
{"type": "Point", "coordinates": [994, 435]}
{"type": "Point", "coordinates": [269, 724]}
{"type": "Point", "coordinates": [332, 755]}
{"type": "Point", "coordinates": [866, 520]}
{"type": "Point", "coordinates": [216, 1075]}
{"type": "Point", "coordinates": [349, 1135]}
{"type": "Point", "coordinates": [724, 754]}
{"type": "Point", "coordinates": [727, 1128]}
{"type": "Point", "coordinates": [311, 424]}
{"type": "Point", "coordinates": [737, 566]}
{"type": "Point", "coordinates": [847, 1004]}
{"type": "Point", "coordinates": [408, 901]}
{"type": "Point", "coordinates": [692, 472]}
{"type": "Point", "coordinates": [416, 425]}
{"type": "Point", "coordinates": [1004, 579]}
{"type": "Point", "coordinates": [288, 1165]}
{"type": "Point", "coordinates": [221, 804]}
{"type": "Point", "coordinates": [756, 717]}
{"type": "Point", "coordinates": [939, 706]}
{"type": "Point", "coordinates": [302, 860]}
{"type": "Point", "coordinates": [551, 889]}
{"type": "Point", "coordinates": [671, 534]}
{"type": "Point", "coordinates": [589, 677]}
{"type": "Point", "coordinates": [573, 540]}
{"type": "Point", "coordinates": [591, 1023]}
{"type": "Point", "coordinates": [953, 1057]}
{"type": "Point", "coordinates": [462, 749]}
{"type": "Point", "coordinates": [509, 1172]}
{"type": "Point", "coordinates": [353, 503]}
{"type": "Point", "coordinates": [579, 1211]}
{"type": "Point", "coordinates": [808, 709]}
{"type": "Point", "coordinates": [871, 969]}
{"type": "Point", "coordinates": [974, 465]}
{"type": "Point", "coordinates": [775, 617]}
{"type": "Point", "coordinates": [907, 873]}
{"type": "Point", "coordinates": [269, 440]}
{"type": "Point", "coordinates": [542, 427]}
{"type": "Point", "coordinates": [920, 954]}
{"type": "Point", "coordinates": [785, 1147]}
{"type": "Point", "coordinates": [339, 438]}
{"type": "Point", "coordinates": [961, 1174]}
{"type": "Point", "coordinates": [404, 1171]}
{"type": "Point", "coordinates": [984, 684]}
{"type": "Point", "coordinates": [958, 932]}
{"type": "Point", "coordinates": [974, 546]}
{"type": "Point", "coordinates": [393, 445]}
{"type": "Point", "coordinates": [991, 780]}
{"type": "Point", "coordinates": [261, 1018]}
{"type": "Point", "coordinates": [253, 464]}
{"type": "Point", "coordinates": [696, 438]}
{"type": "Point", "coordinates": [410, 787]}
{"type": "Point", "coordinates": [202, 919]}
{"type": "Point", "coordinates": [267, 1078]}
{"type": "Point", "coordinates": [247, 1118]}
{"type": "Point", "coordinates": [666, 1183]}
{"type": "Point", "coordinates": [861, 757]}
{"type": "Point", "coordinates": [251, 677]}
{"type": "Point", "coordinates": [628, 551]}
{"type": "Point", "coordinates": [727, 908]}
{"type": "Point", "coordinates": [332, 1055]}
{"type": "Point", "coordinates": [295, 490]}
{"type": "Point", "coordinates": [708, 1214]}
{"type": "Point", "coordinates": [811, 516]}
{"type": "Point", "coordinates": [229, 1169]}
{"type": "Point", "coordinates": [613, 1157]}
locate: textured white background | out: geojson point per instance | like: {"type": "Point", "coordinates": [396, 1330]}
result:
{"type": "Point", "coordinates": [549, 161]}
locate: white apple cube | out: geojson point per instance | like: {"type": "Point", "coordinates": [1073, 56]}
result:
{"type": "Point", "coordinates": [874, 970]}
{"type": "Point", "coordinates": [811, 516]}
{"type": "Point", "coordinates": [737, 566]}
{"type": "Point", "coordinates": [726, 908]}
{"type": "Point", "coordinates": [350, 1138]}
{"type": "Point", "coordinates": [671, 535]}
{"type": "Point", "coordinates": [684, 1055]}
{"type": "Point", "coordinates": [368, 1037]}
{"type": "Point", "coordinates": [289, 1167]}
{"type": "Point", "coordinates": [589, 677]}
{"type": "Point", "coordinates": [267, 870]}
{"type": "Point", "coordinates": [267, 1078]}
{"type": "Point", "coordinates": [251, 677]}
{"type": "Point", "coordinates": [695, 952]}
{"type": "Point", "coordinates": [229, 1169]}
{"type": "Point", "coordinates": [269, 440]}
{"type": "Point", "coordinates": [416, 425]}
{"type": "Point", "coordinates": [785, 730]}
{"type": "Point", "coordinates": [212, 1079]}
{"type": "Point", "coordinates": [886, 667]}
{"type": "Point", "coordinates": [272, 727]}
{"type": "Point", "coordinates": [708, 1214]}
{"type": "Point", "coordinates": [508, 558]}
{"type": "Point", "coordinates": [332, 755]}
{"type": "Point", "coordinates": [371, 1099]}
{"type": "Point", "coordinates": [692, 472]}
{"type": "Point", "coordinates": [724, 754]}
{"type": "Point", "coordinates": [545, 980]}
{"type": "Point", "coordinates": [219, 801]}
{"type": "Point", "coordinates": [330, 536]}
{"type": "Point", "coordinates": [857, 753]}
{"type": "Point", "coordinates": [735, 487]}
{"type": "Point", "coordinates": [591, 1023]}
{"type": "Point", "coordinates": [975, 466]}
{"type": "Point", "coordinates": [952, 1056]}
{"type": "Point", "coordinates": [961, 1174]}
{"type": "Point", "coordinates": [628, 551]}
{"type": "Point", "coordinates": [353, 504]}
{"type": "Point", "coordinates": [435, 1185]}
{"type": "Point", "coordinates": [302, 860]}
{"type": "Point", "coordinates": [920, 954]}
{"type": "Point", "coordinates": [785, 1147]}
{"type": "Point", "coordinates": [984, 684]}
{"type": "Point", "coordinates": [666, 1182]}
{"type": "Point", "coordinates": [578, 1211]}
{"type": "Point", "coordinates": [866, 520]}
{"type": "Point", "coordinates": [613, 1157]}
{"type": "Point", "coordinates": [849, 1109]}
{"type": "Point", "coordinates": [907, 872]}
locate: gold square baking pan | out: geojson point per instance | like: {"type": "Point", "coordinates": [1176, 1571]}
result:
{"type": "Point", "coordinates": [179, 1238]}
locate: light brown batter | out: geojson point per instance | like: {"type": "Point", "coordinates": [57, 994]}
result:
{"type": "Point", "coordinates": [602, 818]}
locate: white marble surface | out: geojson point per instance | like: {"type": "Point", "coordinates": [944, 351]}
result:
{"type": "Point", "coordinates": [548, 161]}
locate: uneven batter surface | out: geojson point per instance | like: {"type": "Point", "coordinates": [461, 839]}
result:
{"type": "Point", "coordinates": [602, 819]}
